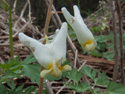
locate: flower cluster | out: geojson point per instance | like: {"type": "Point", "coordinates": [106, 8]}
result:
{"type": "Point", "coordinates": [52, 55]}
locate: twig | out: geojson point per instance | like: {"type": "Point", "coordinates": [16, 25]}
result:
{"type": "Point", "coordinates": [83, 64]}
{"type": "Point", "coordinates": [21, 15]}
{"type": "Point", "coordinates": [75, 60]}
{"type": "Point", "coordinates": [121, 40]}
{"type": "Point", "coordinates": [48, 18]}
{"type": "Point", "coordinates": [115, 71]}
{"type": "Point", "coordinates": [49, 87]}
{"type": "Point", "coordinates": [14, 6]}
{"type": "Point", "coordinates": [53, 18]}
{"type": "Point", "coordinates": [74, 50]}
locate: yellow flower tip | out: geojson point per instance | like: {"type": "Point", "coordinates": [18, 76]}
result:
{"type": "Point", "coordinates": [55, 70]}
{"type": "Point", "coordinates": [45, 73]}
{"type": "Point", "coordinates": [88, 42]}
{"type": "Point", "coordinates": [57, 74]}
{"type": "Point", "coordinates": [67, 68]}
{"type": "Point", "coordinates": [89, 45]}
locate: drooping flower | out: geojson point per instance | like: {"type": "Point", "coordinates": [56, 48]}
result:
{"type": "Point", "coordinates": [51, 56]}
{"type": "Point", "coordinates": [84, 35]}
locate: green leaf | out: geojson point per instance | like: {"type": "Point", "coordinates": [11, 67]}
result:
{"type": "Point", "coordinates": [96, 29]}
{"type": "Point", "coordinates": [108, 55]}
{"type": "Point", "coordinates": [101, 79]}
{"type": "Point", "coordinates": [3, 89]}
{"type": "Point", "coordinates": [104, 38]}
{"type": "Point", "coordinates": [29, 89]}
{"type": "Point", "coordinates": [11, 65]}
{"type": "Point", "coordinates": [96, 91]}
{"type": "Point", "coordinates": [79, 87]}
{"type": "Point", "coordinates": [101, 46]}
{"type": "Point", "coordinates": [19, 88]}
{"type": "Point", "coordinates": [11, 84]}
{"type": "Point", "coordinates": [32, 71]}
{"type": "Point", "coordinates": [88, 71]}
{"type": "Point", "coordinates": [115, 88]}
{"type": "Point", "coordinates": [96, 76]}
{"type": "Point", "coordinates": [95, 53]}
{"type": "Point", "coordinates": [9, 75]}
{"type": "Point", "coordinates": [29, 59]}
{"type": "Point", "coordinates": [74, 75]}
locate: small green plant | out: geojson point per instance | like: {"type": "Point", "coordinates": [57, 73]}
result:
{"type": "Point", "coordinates": [97, 78]}
{"type": "Point", "coordinates": [16, 90]}
{"type": "Point", "coordinates": [19, 69]}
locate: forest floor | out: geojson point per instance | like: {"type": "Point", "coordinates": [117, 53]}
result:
{"type": "Point", "coordinates": [21, 50]}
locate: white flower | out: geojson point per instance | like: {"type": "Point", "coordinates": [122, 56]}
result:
{"type": "Point", "coordinates": [84, 35]}
{"type": "Point", "coordinates": [50, 56]}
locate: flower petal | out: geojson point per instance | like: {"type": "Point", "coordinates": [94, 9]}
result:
{"type": "Point", "coordinates": [67, 68]}
{"type": "Point", "coordinates": [59, 43]}
{"type": "Point", "coordinates": [89, 46]}
{"type": "Point", "coordinates": [67, 15]}
{"type": "Point", "coordinates": [56, 72]}
{"type": "Point", "coordinates": [77, 14]}
{"type": "Point", "coordinates": [40, 51]}
{"type": "Point", "coordinates": [45, 73]}
{"type": "Point", "coordinates": [82, 32]}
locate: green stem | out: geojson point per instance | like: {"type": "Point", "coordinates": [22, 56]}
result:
{"type": "Point", "coordinates": [10, 34]}
{"type": "Point", "coordinates": [79, 4]}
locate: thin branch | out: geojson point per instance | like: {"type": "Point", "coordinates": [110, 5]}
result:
{"type": "Point", "coordinates": [48, 18]}
{"type": "Point", "coordinates": [14, 6]}
{"type": "Point", "coordinates": [49, 87]}
{"type": "Point", "coordinates": [121, 40]}
{"type": "Point", "coordinates": [115, 41]}
{"type": "Point", "coordinates": [21, 15]}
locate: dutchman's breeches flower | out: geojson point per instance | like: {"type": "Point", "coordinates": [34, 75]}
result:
{"type": "Point", "coordinates": [52, 55]}
{"type": "Point", "coordinates": [84, 35]}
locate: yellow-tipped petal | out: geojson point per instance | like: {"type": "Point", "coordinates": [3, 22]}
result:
{"type": "Point", "coordinates": [57, 74]}
{"type": "Point", "coordinates": [88, 42]}
{"type": "Point", "coordinates": [67, 68]}
{"type": "Point", "coordinates": [89, 45]}
{"type": "Point", "coordinates": [45, 73]}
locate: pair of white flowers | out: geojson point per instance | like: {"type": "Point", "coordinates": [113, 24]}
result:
{"type": "Point", "coordinates": [51, 56]}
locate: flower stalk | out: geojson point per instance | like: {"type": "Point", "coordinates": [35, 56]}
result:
{"type": "Point", "coordinates": [45, 33]}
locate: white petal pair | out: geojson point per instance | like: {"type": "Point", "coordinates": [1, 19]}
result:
{"type": "Point", "coordinates": [52, 55]}
{"type": "Point", "coordinates": [84, 35]}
